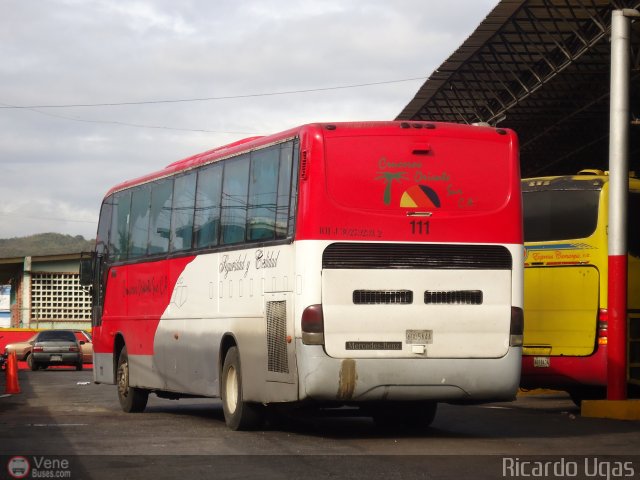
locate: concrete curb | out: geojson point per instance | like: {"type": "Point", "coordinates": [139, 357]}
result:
{"type": "Point", "coordinates": [614, 409]}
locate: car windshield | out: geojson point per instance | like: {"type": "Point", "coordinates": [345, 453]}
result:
{"type": "Point", "coordinates": [56, 336]}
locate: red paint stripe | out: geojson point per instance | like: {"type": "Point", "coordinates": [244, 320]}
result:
{"type": "Point", "coordinates": [136, 297]}
{"type": "Point", "coordinates": [617, 328]}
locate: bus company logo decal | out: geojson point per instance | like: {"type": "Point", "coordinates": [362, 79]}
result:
{"type": "Point", "coordinates": [180, 293]}
{"type": "Point", "coordinates": [565, 252]}
{"type": "Point", "coordinates": [267, 259]}
{"type": "Point", "coordinates": [155, 286]}
{"type": "Point", "coordinates": [18, 467]}
{"type": "Point", "coordinates": [239, 264]}
{"type": "Point", "coordinates": [263, 260]}
{"type": "Point", "coordinates": [418, 195]}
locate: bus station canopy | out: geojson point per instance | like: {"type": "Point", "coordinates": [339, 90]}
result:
{"type": "Point", "coordinates": [542, 68]}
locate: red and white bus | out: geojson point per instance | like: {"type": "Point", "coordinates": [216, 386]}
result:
{"type": "Point", "coordinates": [374, 264]}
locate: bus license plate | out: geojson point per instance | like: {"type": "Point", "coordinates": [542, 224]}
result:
{"type": "Point", "coordinates": [55, 358]}
{"type": "Point", "coordinates": [419, 336]}
{"type": "Point", "coordinates": [541, 362]}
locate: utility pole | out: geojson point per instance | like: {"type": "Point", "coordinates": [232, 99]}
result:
{"type": "Point", "coordinates": [618, 199]}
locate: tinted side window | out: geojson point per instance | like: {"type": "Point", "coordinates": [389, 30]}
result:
{"type": "Point", "coordinates": [293, 201]}
{"type": "Point", "coordinates": [184, 194]}
{"type": "Point", "coordinates": [118, 239]}
{"type": "Point", "coordinates": [207, 214]}
{"type": "Point", "coordinates": [263, 192]}
{"type": "Point", "coordinates": [284, 190]}
{"type": "Point", "coordinates": [160, 222]}
{"type": "Point", "coordinates": [559, 214]}
{"type": "Point", "coordinates": [102, 237]}
{"type": "Point", "coordinates": [139, 232]}
{"type": "Point", "coordinates": [233, 215]}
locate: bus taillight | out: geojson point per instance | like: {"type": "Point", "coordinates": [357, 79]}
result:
{"type": "Point", "coordinates": [517, 327]}
{"type": "Point", "coordinates": [603, 325]}
{"type": "Point", "coordinates": [313, 325]}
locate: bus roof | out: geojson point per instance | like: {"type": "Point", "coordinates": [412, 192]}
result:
{"type": "Point", "coordinates": [583, 180]}
{"type": "Point", "coordinates": [251, 143]}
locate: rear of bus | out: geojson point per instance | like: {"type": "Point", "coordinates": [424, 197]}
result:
{"type": "Point", "coordinates": [409, 263]}
{"type": "Point", "coordinates": [566, 273]}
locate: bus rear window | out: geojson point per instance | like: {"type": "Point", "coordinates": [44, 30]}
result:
{"type": "Point", "coordinates": [559, 214]}
{"type": "Point", "coordinates": [396, 174]}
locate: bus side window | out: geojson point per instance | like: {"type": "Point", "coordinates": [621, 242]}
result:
{"type": "Point", "coordinates": [102, 237]}
{"type": "Point", "coordinates": [284, 189]}
{"type": "Point", "coordinates": [184, 195]}
{"type": "Point", "coordinates": [293, 201]}
{"type": "Point", "coordinates": [118, 239]}
{"type": "Point", "coordinates": [263, 192]}
{"type": "Point", "coordinates": [235, 186]}
{"type": "Point", "coordinates": [206, 224]}
{"type": "Point", "coordinates": [139, 224]}
{"type": "Point", "coordinates": [160, 221]}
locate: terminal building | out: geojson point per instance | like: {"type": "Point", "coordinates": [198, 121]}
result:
{"type": "Point", "coordinates": [45, 292]}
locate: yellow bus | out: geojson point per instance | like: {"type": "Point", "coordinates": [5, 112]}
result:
{"type": "Point", "coordinates": [566, 267]}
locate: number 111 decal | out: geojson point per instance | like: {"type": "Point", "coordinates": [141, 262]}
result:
{"type": "Point", "coordinates": [419, 227]}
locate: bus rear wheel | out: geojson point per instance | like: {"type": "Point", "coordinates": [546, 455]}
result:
{"type": "Point", "coordinates": [132, 399]}
{"type": "Point", "coordinates": [238, 414]}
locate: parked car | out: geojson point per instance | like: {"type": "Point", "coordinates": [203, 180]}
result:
{"type": "Point", "coordinates": [3, 358]}
{"type": "Point", "coordinates": [23, 349]}
{"type": "Point", "coordinates": [56, 347]}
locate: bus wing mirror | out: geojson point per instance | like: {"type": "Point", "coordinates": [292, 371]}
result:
{"type": "Point", "coordinates": [86, 269]}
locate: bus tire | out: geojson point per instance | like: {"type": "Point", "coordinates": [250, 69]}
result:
{"type": "Point", "coordinates": [132, 399]}
{"type": "Point", "coordinates": [238, 414]}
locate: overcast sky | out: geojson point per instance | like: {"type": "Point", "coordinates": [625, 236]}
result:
{"type": "Point", "coordinates": [57, 163]}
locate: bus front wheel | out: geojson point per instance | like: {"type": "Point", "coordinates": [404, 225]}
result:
{"type": "Point", "coordinates": [132, 399]}
{"type": "Point", "coordinates": [238, 414]}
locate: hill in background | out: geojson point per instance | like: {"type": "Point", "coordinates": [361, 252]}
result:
{"type": "Point", "coordinates": [44, 244]}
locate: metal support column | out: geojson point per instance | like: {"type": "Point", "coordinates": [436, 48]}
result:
{"type": "Point", "coordinates": [618, 193]}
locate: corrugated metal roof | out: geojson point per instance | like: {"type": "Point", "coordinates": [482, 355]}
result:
{"type": "Point", "coordinates": [540, 67]}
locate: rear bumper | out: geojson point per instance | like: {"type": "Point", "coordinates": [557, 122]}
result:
{"type": "Point", "coordinates": [68, 358]}
{"type": "Point", "coordinates": [324, 378]}
{"type": "Point", "coordinates": [566, 372]}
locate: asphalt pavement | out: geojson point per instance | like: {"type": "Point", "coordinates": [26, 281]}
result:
{"type": "Point", "coordinates": [61, 415]}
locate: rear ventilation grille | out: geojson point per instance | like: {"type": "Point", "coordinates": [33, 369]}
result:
{"type": "Point", "coordinates": [453, 297]}
{"type": "Point", "coordinates": [416, 256]}
{"type": "Point", "coordinates": [277, 337]}
{"type": "Point", "coordinates": [381, 297]}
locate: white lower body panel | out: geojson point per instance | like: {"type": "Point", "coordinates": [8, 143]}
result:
{"type": "Point", "coordinates": [324, 378]}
